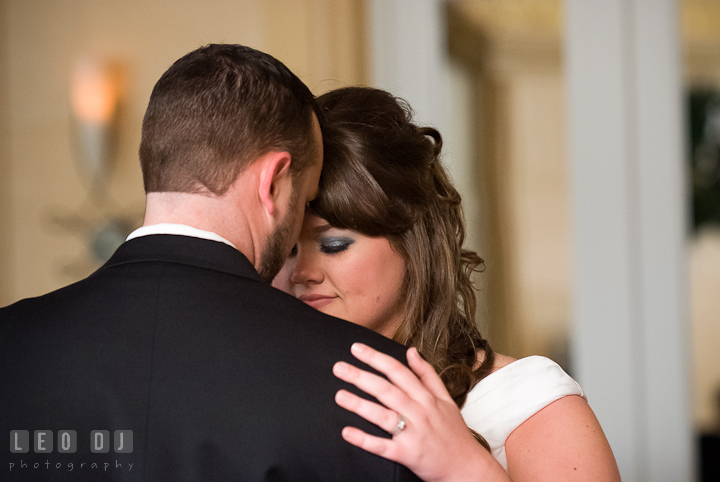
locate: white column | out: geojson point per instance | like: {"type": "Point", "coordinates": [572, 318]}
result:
{"type": "Point", "coordinates": [629, 214]}
{"type": "Point", "coordinates": [408, 45]}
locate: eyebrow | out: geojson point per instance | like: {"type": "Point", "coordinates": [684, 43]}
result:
{"type": "Point", "coordinates": [321, 229]}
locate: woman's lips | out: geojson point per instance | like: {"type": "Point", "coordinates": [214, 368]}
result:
{"type": "Point", "coordinates": [317, 301]}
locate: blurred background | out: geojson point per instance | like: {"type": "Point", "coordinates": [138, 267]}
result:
{"type": "Point", "coordinates": [583, 136]}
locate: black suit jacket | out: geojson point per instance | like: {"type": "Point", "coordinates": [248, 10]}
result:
{"type": "Point", "coordinates": [218, 375]}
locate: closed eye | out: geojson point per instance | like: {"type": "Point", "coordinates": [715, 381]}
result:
{"type": "Point", "coordinates": [332, 245]}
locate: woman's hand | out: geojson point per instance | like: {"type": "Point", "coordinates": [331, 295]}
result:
{"type": "Point", "coordinates": [435, 443]}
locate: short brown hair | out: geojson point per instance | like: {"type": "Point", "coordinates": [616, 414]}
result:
{"type": "Point", "coordinates": [215, 110]}
{"type": "Point", "coordinates": [384, 178]}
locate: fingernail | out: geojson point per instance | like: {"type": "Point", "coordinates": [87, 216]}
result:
{"type": "Point", "coordinates": [358, 347]}
{"type": "Point", "coordinates": [340, 368]}
{"type": "Point", "coordinates": [349, 435]}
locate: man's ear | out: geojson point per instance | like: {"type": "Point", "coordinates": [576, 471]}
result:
{"type": "Point", "coordinates": [275, 180]}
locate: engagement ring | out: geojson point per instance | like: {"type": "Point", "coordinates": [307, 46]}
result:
{"type": "Point", "coordinates": [400, 426]}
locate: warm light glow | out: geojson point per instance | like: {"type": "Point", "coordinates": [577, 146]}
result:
{"type": "Point", "coordinates": [94, 92]}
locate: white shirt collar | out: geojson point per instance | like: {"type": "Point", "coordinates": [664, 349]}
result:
{"type": "Point", "coordinates": [178, 229]}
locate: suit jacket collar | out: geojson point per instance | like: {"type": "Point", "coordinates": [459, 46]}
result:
{"type": "Point", "coordinates": [185, 250]}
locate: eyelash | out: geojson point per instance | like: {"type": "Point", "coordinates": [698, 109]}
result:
{"type": "Point", "coordinates": [336, 247]}
{"type": "Point", "coordinates": [330, 248]}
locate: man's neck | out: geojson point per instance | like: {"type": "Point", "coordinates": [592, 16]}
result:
{"type": "Point", "coordinates": [207, 212]}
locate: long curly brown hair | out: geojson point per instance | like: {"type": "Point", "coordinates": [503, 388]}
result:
{"type": "Point", "coordinates": [383, 177]}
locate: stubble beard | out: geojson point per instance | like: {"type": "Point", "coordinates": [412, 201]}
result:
{"type": "Point", "coordinates": [278, 244]}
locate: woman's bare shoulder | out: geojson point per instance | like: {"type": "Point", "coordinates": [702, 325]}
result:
{"type": "Point", "coordinates": [561, 442]}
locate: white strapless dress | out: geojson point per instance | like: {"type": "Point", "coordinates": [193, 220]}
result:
{"type": "Point", "coordinates": [503, 400]}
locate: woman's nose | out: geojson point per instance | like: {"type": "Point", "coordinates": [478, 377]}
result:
{"type": "Point", "coordinates": [307, 269]}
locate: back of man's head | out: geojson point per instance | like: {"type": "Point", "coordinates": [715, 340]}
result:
{"type": "Point", "coordinates": [214, 111]}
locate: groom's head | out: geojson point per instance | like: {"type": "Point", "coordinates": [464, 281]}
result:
{"type": "Point", "coordinates": [225, 119]}
{"type": "Point", "coordinates": [216, 110]}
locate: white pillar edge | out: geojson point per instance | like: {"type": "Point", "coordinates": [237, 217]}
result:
{"type": "Point", "coordinates": [663, 222]}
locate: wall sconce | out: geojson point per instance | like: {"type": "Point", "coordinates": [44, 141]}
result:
{"type": "Point", "coordinates": [95, 93]}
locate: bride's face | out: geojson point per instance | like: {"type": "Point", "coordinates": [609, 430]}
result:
{"type": "Point", "coordinates": [345, 274]}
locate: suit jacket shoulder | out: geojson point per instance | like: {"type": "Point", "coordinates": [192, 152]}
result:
{"type": "Point", "coordinates": [217, 375]}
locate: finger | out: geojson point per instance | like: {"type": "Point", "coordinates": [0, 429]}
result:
{"type": "Point", "coordinates": [370, 411]}
{"type": "Point", "coordinates": [397, 373]}
{"type": "Point", "coordinates": [375, 445]}
{"type": "Point", "coordinates": [386, 393]}
{"type": "Point", "coordinates": [427, 375]}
